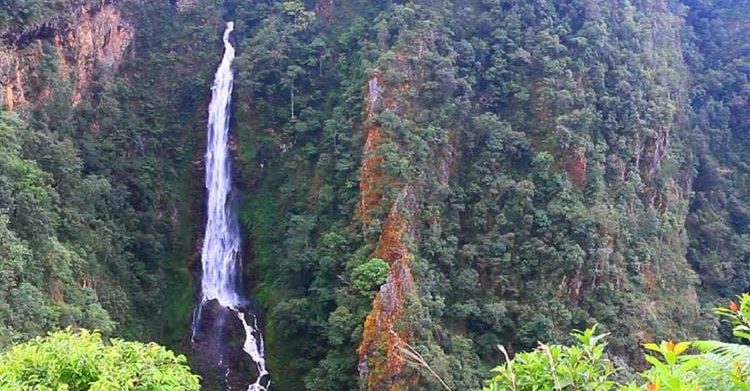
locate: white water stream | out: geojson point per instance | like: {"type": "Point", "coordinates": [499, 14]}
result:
{"type": "Point", "coordinates": [221, 278]}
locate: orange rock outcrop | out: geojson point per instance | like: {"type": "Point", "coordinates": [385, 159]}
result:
{"type": "Point", "coordinates": [99, 37]}
{"type": "Point", "coordinates": [381, 359]}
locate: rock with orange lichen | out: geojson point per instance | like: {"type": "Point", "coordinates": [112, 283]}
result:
{"type": "Point", "coordinates": [371, 175]}
{"type": "Point", "coordinates": [381, 361]}
{"type": "Point", "coordinates": [372, 179]}
{"type": "Point", "coordinates": [99, 37]}
{"type": "Point", "coordinates": [11, 79]}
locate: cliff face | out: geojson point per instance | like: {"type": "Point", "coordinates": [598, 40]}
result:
{"type": "Point", "coordinates": [386, 331]}
{"type": "Point", "coordinates": [399, 131]}
{"type": "Point", "coordinates": [385, 334]}
{"type": "Point", "coordinates": [95, 39]}
{"type": "Point", "coordinates": [490, 230]}
{"type": "Point", "coordinates": [61, 214]}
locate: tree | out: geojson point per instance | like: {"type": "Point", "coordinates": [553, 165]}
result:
{"type": "Point", "coordinates": [369, 275]}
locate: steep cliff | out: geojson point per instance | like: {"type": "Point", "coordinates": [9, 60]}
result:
{"type": "Point", "coordinates": [524, 169]}
{"type": "Point", "coordinates": [94, 37]}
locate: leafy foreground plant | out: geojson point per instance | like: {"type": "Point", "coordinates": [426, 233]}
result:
{"type": "Point", "coordinates": [83, 361]}
{"type": "Point", "coordinates": [713, 365]}
{"type": "Point", "coordinates": [556, 367]}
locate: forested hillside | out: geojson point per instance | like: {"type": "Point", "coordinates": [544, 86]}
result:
{"type": "Point", "coordinates": [435, 176]}
{"type": "Point", "coordinates": [98, 165]}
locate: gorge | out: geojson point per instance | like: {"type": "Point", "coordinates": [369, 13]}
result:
{"type": "Point", "coordinates": [321, 191]}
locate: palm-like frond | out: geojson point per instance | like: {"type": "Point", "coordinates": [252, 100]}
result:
{"type": "Point", "coordinates": [720, 366]}
{"type": "Point", "coordinates": [724, 354]}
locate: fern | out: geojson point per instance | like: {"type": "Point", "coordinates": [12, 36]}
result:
{"type": "Point", "coordinates": [723, 353]}
{"type": "Point", "coordinates": [720, 365]}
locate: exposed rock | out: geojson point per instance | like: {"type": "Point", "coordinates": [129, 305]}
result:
{"type": "Point", "coordinates": [387, 331]}
{"type": "Point", "coordinates": [371, 175]}
{"type": "Point", "coordinates": [99, 37]}
{"type": "Point", "coordinates": [381, 356]}
{"type": "Point", "coordinates": [218, 339]}
{"type": "Point", "coordinates": [183, 5]}
{"type": "Point", "coordinates": [381, 359]}
{"type": "Point", "coordinates": [575, 166]}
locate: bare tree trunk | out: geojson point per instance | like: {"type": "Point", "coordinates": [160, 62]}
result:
{"type": "Point", "coordinates": [292, 94]}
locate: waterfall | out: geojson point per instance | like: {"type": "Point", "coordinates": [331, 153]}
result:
{"type": "Point", "coordinates": [221, 269]}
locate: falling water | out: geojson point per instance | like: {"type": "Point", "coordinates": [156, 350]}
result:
{"type": "Point", "coordinates": [221, 279]}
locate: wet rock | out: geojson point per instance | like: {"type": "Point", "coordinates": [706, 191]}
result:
{"type": "Point", "coordinates": [217, 353]}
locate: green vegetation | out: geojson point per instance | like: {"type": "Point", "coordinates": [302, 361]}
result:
{"type": "Point", "coordinates": [535, 134]}
{"type": "Point", "coordinates": [53, 231]}
{"type": "Point", "coordinates": [369, 275]}
{"type": "Point", "coordinates": [28, 15]}
{"type": "Point", "coordinates": [555, 367]}
{"type": "Point", "coordinates": [83, 361]}
{"type": "Point", "coordinates": [683, 366]}
{"type": "Point", "coordinates": [555, 164]}
{"type": "Point", "coordinates": [97, 198]}
{"type": "Point", "coordinates": [553, 150]}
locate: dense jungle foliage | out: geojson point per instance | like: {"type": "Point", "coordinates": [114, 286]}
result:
{"type": "Point", "coordinates": [95, 196]}
{"type": "Point", "coordinates": [541, 166]}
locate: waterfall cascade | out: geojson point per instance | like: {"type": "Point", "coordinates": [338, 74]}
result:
{"type": "Point", "coordinates": [221, 268]}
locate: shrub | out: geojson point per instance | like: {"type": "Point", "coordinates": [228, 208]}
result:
{"type": "Point", "coordinates": [555, 367]}
{"type": "Point", "coordinates": [712, 365]}
{"type": "Point", "coordinates": [369, 275]}
{"type": "Point", "coordinates": [84, 361]}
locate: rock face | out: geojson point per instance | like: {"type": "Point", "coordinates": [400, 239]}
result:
{"type": "Point", "coordinates": [370, 172]}
{"type": "Point", "coordinates": [388, 332]}
{"type": "Point", "coordinates": [217, 349]}
{"type": "Point", "coordinates": [575, 166]}
{"type": "Point", "coordinates": [97, 39]}
{"type": "Point", "coordinates": [380, 356]}
{"type": "Point", "coordinates": [183, 5]}
{"type": "Point", "coordinates": [381, 352]}
{"type": "Point", "coordinates": [12, 81]}
{"type": "Point", "coordinates": [522, 174]}
{"type": "Point", "coordinates": [101, 37]}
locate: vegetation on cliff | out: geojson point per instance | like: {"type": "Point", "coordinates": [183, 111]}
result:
{"type": "Point", "coordinates": [539, 155]}
{"type": "Point", "coordinates": [98, 188]}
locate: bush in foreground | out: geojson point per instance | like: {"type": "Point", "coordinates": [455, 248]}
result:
{"type": "Point", "coordinates": [84, 361]}
{"type": "Point", "coordinates": [675, 366]}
